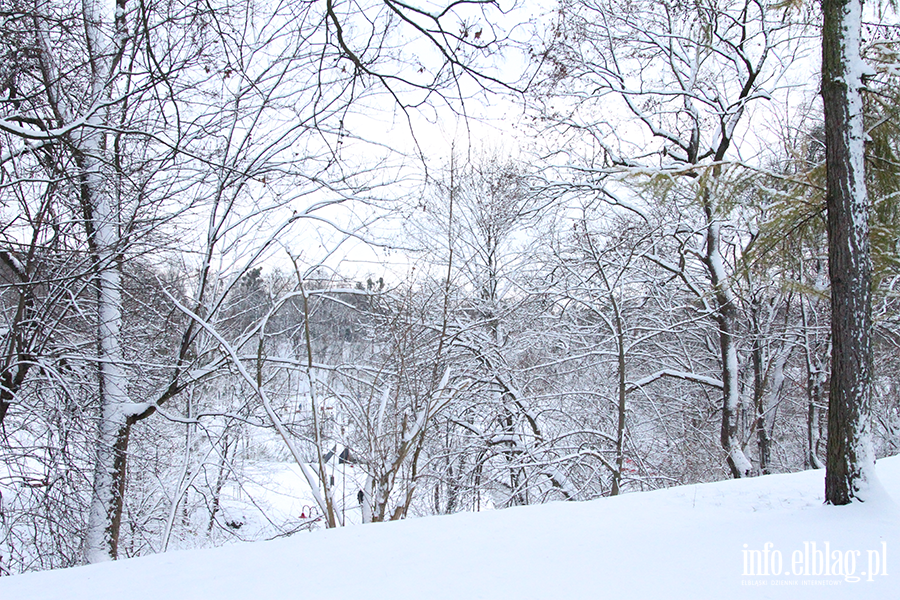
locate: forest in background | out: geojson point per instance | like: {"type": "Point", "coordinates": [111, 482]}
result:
{"type": "Point", "coordinates": [628, 290]}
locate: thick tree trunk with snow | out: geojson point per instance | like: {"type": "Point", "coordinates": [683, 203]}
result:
{"type": "Point", "coordinates": [850, 458]}
{"type": "Point", "coordinates": [115, 414]}
{"type": "Point", "coordinates": [726, 319]}
{"type": "Point", "coordinates": [102, 224]}
{"type": "Point", "coordinates": [102, 539]}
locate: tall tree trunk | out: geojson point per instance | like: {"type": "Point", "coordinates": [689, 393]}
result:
{"type": "Point", "coordinates": [815, 386]}
{"type": "Point", "coordinates": [850, 457]}
{"type": "Point", "coordinates": [759, 387]}
{"type": "Point", "coordinates": [726, 319]}
{"type": "Point", "coordinates": [103, 229]}
{"type": "Point", "coordinates": [622, 389]}
{"type": "Point", "coordinates": [116, 417]}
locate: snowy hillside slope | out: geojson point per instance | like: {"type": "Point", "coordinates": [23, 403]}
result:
{"type": "Point", "coordinates": [692, 542]}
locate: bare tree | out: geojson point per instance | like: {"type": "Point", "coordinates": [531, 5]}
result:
{"type": "Point", "coordinates": [123, 133]}
{"type": "Point", "coordinates": [686, 77]}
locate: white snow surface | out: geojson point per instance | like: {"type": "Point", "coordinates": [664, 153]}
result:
{"type": "Point", "coordinates": [685, 542]}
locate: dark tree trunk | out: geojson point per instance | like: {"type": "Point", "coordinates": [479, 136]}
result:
{"type": "Point", "coordinates": [620, 428]}
{"type": "Point", "coordinates": [850, 459]}
{"type": "Point", "coordinates": [759, 396]}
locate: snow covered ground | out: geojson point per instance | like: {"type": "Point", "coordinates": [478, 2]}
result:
{"type": "Point", "coordinates": [692, 542]}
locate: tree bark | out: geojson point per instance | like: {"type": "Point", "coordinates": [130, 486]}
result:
{"type": "Point", "coordinates": [102, 223]}
{"type": "Point", "coordinates": [726, 319]}
{"type": "Point", "coordinates": [850, 458]}
{"type": "Point", "coordinates": [116, 413]}
{"type": "Point", "coordinates": [622, 393]}
{"type": "Point", "coordinates": [815, 387]}
{"type": "Point", "coordinates": [759, 384]}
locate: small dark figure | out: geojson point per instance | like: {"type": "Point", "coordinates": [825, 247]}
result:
{"type": "Point", "coordinates": [360, 496]}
